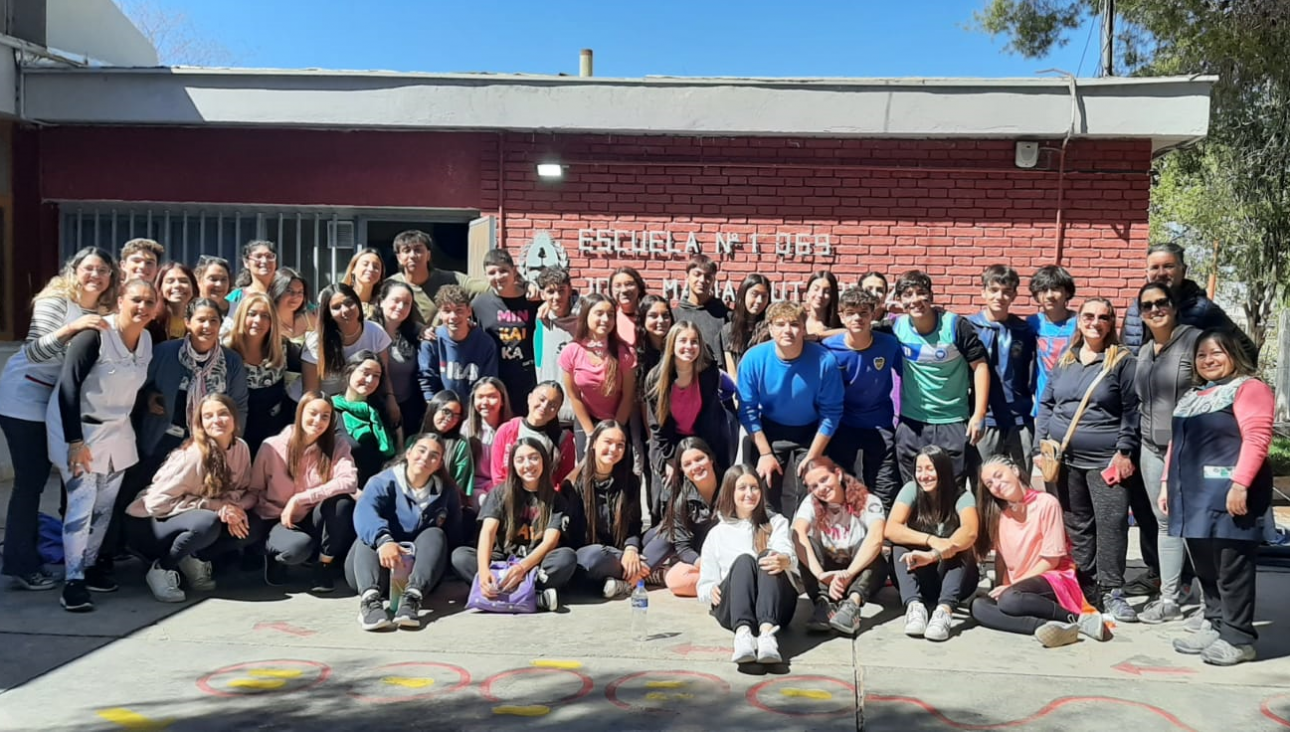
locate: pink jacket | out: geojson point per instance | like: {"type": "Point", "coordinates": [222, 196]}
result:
{"type": "Point", "coordinates": [508, 434]}
{"type": "Point", "coordinates": [177, 485]}
{"type": "Point", "coordinates": [274, 485]}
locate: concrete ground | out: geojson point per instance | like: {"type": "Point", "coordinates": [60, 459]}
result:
{"type": "Point", "coordinates": [252, 657]}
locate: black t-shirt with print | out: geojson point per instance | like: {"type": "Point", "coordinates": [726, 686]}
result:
{"type": "Point", "coordinates": [529, 535]}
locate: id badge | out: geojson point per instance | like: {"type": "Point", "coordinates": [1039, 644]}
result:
{"type": "Point", "coordinates": [1218, 472]}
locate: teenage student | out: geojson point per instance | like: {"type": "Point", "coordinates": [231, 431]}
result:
{"type": "Point", "coordinates": [445, 415]}
{"type": "Point", "coordinates": [306, 484]}
{"type": "Point", "coordinates": [945, 381]}
{"type": "Point", "coordinates": [1097, 461]}
{"type": "Point", "coordinates": [626, 288]}
{"type": "Point", "coordinates": [875, 283]}
{"type": "Point", "coordinates": [541, 424]}
{"type": "Point", "coordinates": [821, 303]}
{"type": "Point", "coordinates": [372, 440]}
{"type": "Point", "coordinates": [556, 325]}
{"type": "Point", "coordinates": [1010, 346]}
{"type": "Point", "coordinates": [700, 304]}
{"type": "Point", "coordinates": [411, 502]}
{"type": "Point", "coordinates": [177, 286]}
{"type": "Point", "coordinates": [460, 354]}
{"type": "Point", "coordinates": [255, 337]}
{"type": "Point", "coordinates": [198, 505]}
{"type": "Point", "coordinates": [364, 273]}
{"type": "Point", "coordinates": [1036, 591]}
{"type": "Point", "coordinates": [838, 532]}
{"type": "Point", "coordinates": [682, 399]}
{"type": "Point", "coordinates": [139, 260]}
{"type": "Point", "coordinates": [932, 529]}
{"type": "Point", "coordinates": [290, 295]}
{"type": "Point", "coordinates": [412, 249]}
{"type": "Point", "coordinates": [605, 497]}
{"type": "Point", "coordinates": [522, 519]}
{"type": "Point", "coordinates": [343, 332]}
{"type": "Point", "coordinates": [214, 278]}
{"type": "Point", "coordinates": [747, 325]}
{"type": "Point", "coordinates": [91, 439]}
{"type": "Point", "coordinates": [77, 299]}
{"type": "Point", "coordinates": [259, 265]}
{"type": "Point", "coordinates": [748, 573]}
{"type": "Point", "coordinates": [395, 313]}
{"type": "Point", "coordinates": [692, 486]}
{"type": "Point", "coordinates": [790, 402]}
{"type": "Point", "coordinates": [599, 371]}
{"type": "Point", "coordinates": [1052, 289]}
{"type": "Point", "coordinates": [1218, 489]}
{"type": "Point", "coordinates": [490, 408]}
{"type": "Point", "coordinates": [654, 321]}
{"type": "Point", "coordinates": [865, 444]}
{"type": "Point", "coordinates": [507, 315]}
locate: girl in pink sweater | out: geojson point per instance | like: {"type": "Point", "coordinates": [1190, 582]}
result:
{"type": "Point", "coordinates": [306, 484]}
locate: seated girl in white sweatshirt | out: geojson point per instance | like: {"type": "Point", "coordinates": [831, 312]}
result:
{"type": "Point", "coordinates": [748, 573]}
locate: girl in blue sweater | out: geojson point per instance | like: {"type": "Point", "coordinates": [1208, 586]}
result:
{"type": "Point", "coordinates": [413, 501]}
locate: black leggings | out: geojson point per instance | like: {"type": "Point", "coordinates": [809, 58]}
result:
{"type": "Point", "coordinates": [1022, 608]}
{"type": "Point", "coordinates": [328, 527]}
{"type": "Point", "coordinates": [196, 533]}
{"type": "Point", "coordinates": [363, 570]}
{"type": "Point", "coordinates": [751, 596]}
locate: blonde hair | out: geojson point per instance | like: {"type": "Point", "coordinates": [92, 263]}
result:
{"type": "Point", "coordinates": [64, 285]}
{"type": "Point", "coordinates": [1114, 351]}
{"type": "Point", "coordinates": [237, 337]}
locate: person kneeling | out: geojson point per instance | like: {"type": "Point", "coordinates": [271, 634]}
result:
{"type": "Point", "coordinates": [838, 533]}
{"type": "Point", "coordinates": [1036, 591]}
{"type": "Point", "coordinates": [409, 511]}
{"type": "Point", "coordinates": [196, 507]}
{"type": "Point", "coordinates": [748, 571]}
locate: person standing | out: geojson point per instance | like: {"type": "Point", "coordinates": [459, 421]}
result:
{"type": "Point", "coordinates": [1218, 489]}
{"type": "Point", "coordinates": [599, 370]}
{"type": "Point", "coordinates": [555, 328]}
{"type": "Point", "coordinates": [460, 354]}
{"type": "Point", "coordinates": [259, 265]}
{"type": "Point", "coordinates": [790, 402]}
{"type": "Point", "coordinates": [701, 306]}
{"type": "Point", "coordinates": [1011, 348]}
{"type": "Point", "coordinates": [393, 310]}
{"type": "Point", "coordinates": [747, 321]}
{"type": "Point", "coordinates": [139, 260]}
{"type": "Point", "coordinates": [91, 438]}
{"type": "Point", "coordinates": [508, 316]}
{"type": "Point", "coordinates": [1052, 288]}
{"type": "Point", "coordinates": [412, 249]}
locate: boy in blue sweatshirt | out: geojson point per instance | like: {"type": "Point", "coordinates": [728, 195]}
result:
{"type": "Point", "coordinates": [1011, 348]}
{"type": "Point", "coordinates": [1053, 288]}
{"type": "Point", "coordinates": [866, 446]}
{"type": "Point", "coordinates": [460, 353]}
{"type": "Point", "coordinates": [790, 402]}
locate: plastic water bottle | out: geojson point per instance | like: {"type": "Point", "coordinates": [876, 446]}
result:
{"type": "Point", "coordinates": [640, 609]}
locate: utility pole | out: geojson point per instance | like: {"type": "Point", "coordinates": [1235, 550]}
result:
{"type": "Point", "coordinates": [1108, 38]}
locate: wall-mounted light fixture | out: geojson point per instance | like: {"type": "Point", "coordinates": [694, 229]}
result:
{"type": "Point", "coordinates": [550, 170]}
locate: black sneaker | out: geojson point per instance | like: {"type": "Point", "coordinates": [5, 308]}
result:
{"type": "Point", "coordinates": [409, 613]}
{"type": "Point", "coordinates": [76, 597]}
{"type": "Point", "coordinates": [99, 579]}
{"type": "Point", "coordinates": [275, 572]}
{"type": "Point", "coordinates": [371, 612]}
{"type": "Point", "coordinates": [37, 581]}
{"type": "Point", "coordinates": [1145, 584]}
{"type": "Point", "coordinates": [324, 580]}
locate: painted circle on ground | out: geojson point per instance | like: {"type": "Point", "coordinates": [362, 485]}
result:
{"type": "Point", "coordinates": [1266, 708]}
{"type": "Point", "coordinates": [393, 683]}
{"type": "Point", "coordinates": [804, 696]}
{"type": "Point", "coordinates": [657, 694]}
{"type": "Point", "coordinates": [257, 678]}
{"type": "Point", "coordinates": [508, 679]}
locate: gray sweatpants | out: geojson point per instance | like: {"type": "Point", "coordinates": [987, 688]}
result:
{"type": "Point", "coordinates": [1172, 549]}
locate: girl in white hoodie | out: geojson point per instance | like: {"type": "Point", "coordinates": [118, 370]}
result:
{"type": "Point", "coordinates": [748, 573]}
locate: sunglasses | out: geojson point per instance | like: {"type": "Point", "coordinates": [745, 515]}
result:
{"type": "Point", "coordinates": [1147, 307]}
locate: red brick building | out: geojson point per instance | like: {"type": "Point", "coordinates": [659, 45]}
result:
{"type": "Point", "coordinates": [782, 177]}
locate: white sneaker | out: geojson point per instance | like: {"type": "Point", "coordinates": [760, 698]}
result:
{"type": "Point", "coordinates": [197, 572]}
{"type": "Point", "coordinates": [745, 646]}
{"type": "Point", "coordinates": [768, 648]}
{"type": "Point", "coordinates": [938, 628]}
{"type": "Point", "coordinates": [616, 589]}
{"type": "Point", "coordinates": [164, 584]}
{"type": "Point", "coordinates": [915, 619]}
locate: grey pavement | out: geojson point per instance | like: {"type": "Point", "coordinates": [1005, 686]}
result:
{"type": "Point", "coordinates": [248, 656]}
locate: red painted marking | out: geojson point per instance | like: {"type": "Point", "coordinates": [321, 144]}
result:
{"type": "Point", "coordinates": [611, 691]}
{"type": "Point", "coordinates": [1266, 708]}
{"type": "Point", "coordinates": [686, 649]}
{"type": "Point", "coordinates": [1132, 668]}
{"type": "Point", "coordinates": [463, 680]}
{"type": "Point", "coordinates": [754, 696]}
{"type": "Point", "coordinates": [286, 628]}
{"type": "Point", "coordinates": [1052, 706]}
{"type": "Point", "coordinates": [486, 688]}
{"type": "Point", "coordinates": [323, 670]}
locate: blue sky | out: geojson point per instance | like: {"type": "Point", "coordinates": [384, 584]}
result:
{"type": "Point", "coordinates": [876, 38]}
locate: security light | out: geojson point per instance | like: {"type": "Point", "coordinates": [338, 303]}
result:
{"type": "Point", "coordinates": [550, 170]}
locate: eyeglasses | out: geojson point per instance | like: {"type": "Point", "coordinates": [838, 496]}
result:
{"type": "Point", "coordinates": [98, 271]}
{"type": "Point", "coordinates": [1147, 307]}
{"type": "Point", "coordinates": [263, 257]}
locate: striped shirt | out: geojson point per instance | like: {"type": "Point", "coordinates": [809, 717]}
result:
{"type": "Point", "coordinates": [48, 315]}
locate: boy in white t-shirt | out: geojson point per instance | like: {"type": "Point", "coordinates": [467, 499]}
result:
{"type": "Point", "coordinates": [838, 532]}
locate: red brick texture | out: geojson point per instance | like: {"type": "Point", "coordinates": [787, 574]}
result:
{"type": "Point", "coordinates": [950, 208]}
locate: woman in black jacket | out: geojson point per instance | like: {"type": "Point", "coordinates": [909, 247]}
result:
{"type": "Point", "coordinates": [682, 399]}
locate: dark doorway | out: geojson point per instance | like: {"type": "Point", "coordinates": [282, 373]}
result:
{"type": "Point", "coordinates": [450, 242]}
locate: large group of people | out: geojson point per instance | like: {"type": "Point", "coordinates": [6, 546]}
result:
{"type": "Point", "coordinates": [531, 438]}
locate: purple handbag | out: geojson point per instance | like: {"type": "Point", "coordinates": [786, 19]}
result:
{"type": "Point", "coordinates": [522, 599]}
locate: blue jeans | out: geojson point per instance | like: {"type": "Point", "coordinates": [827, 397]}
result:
{"type": "Point", "coordinates": [90, 497]}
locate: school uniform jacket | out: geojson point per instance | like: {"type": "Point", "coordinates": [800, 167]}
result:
{"type": "Point", "coordinates": [387, 512]}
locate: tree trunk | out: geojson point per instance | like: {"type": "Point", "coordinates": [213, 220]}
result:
{"type": "Point", "coordinates": [1283, 366]}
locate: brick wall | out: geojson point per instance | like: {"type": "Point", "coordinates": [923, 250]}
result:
{"type": "Point", "coordinates": [965, 207]}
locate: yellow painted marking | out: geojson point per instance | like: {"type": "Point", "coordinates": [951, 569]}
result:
{"type": "Point", "coordinates": [275, 673]}
{"type": "Point", "coordinates": [532, 710]}
{"type": "Point", "coordinates": [666, 684]}
{"type": "Point", "coordinates": [407, 682]}
{"type": "Point", "coordinates": [128, 719]}
{"type": "Point", "coordinates": [552, 663]}
{"type": "Point", "coordinates": [819, 694]}
{"type": "Point", "coordinates": [664, 696]}
{"type": "Point", "coordinates": [257, 683]}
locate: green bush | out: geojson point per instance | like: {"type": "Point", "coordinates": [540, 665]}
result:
{"type": "Point", "coordinates": [1279, 456]}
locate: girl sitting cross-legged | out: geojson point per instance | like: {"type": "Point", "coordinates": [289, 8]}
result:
{"type": "Point", "coordinates": [604, 498]}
